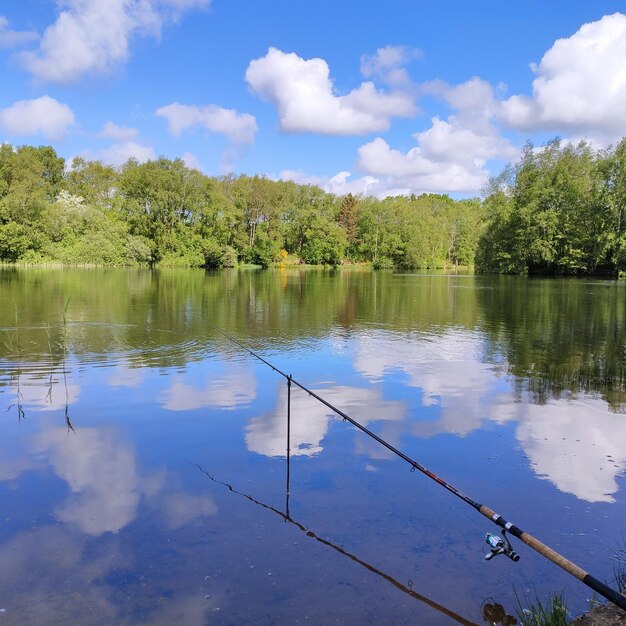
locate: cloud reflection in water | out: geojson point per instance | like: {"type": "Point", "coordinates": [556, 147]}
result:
{"type": "Point", "coordinates": [102, 475]}
{"type": "Point", "coordinates": [45, 394]}
{"type": "Point", "coordinates": [309, 418]}
{"type": "Point", "coordinates": [87, 552]}
{"type": "Point", "coordinates": [445, 367]}
{"type": "Point", "coordinates": [576, 444]}
{"type": "Point", "coordinates": [228, 390]}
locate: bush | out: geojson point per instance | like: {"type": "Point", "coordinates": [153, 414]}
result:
{"type": "Point", "coordinates": [138, 250]}
{"type": "Point", "coordinates": [383, 263]}
{"type": "Point", "coordinates": [229, 257]}
{"type": "Point", "coordinates": [188, 258]}
{"type": "Point", "coordinates": [96, 248]}
{"type": "Point", "coordinates": [14, 241]}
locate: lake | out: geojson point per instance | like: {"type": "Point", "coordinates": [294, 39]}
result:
{"type": "Point", "coordinates": [143, 456]}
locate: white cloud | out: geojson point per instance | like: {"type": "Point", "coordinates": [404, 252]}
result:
{"type": "Point", "coordinates": [343, 183]}
{"type": "Point", "coordinates": [125, 146]}
{"type": "Point", "coordinates": [474, 98]}
{"type": "Point", "coordinates": [580, 84]}
{"type": "Point", "coordinates": [91, 36]}
{"type": "Point", "coordinates": [119, 153]}
{"type": "Point", "coordinates": [337, 184]}
{"type": "Point", "coordinates": [239, 128]}
{"type": "Point", "coordinates": [452, 141]}
{"type": "Point", "coordinates": [177, 7]}
{"type": "Point", "coordinates": [303, 92]}
{"type": "Point", "coordinates": [45, 116]}
{"type": "Point", "coordinates": [412, 172]}
{"type": "Point", "coordinates": [13, 38]}
{"type": "Point", "coordinates": [387, 64]}
{"type": "Point", "coordinates": [579, 89]}
{"type": "Point", "coordinates": [452, 154]}
{"type": "Point", "coordinates": [192, 161]}
{"type": "Point", "coordinates": [118, 133]}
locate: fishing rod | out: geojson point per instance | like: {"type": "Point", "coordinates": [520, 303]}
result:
{"type": "Point", "coordinates": [498, 545]}
{"type": "Point", "coordinates": [309, 533]}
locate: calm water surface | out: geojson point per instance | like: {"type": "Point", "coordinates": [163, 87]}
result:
{"type": "Point", "coordinates": [143, 455]}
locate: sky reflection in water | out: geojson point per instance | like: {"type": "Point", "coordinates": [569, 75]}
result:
{"type": "Point", "coordinates": [114, 523]}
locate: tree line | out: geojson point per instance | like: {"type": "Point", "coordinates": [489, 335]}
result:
{"type": "Point", "coordinates": [560, 210]}
{"type": "Point", "coordinates": [164, 214]}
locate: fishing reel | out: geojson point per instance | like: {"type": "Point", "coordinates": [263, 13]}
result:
{"type": "Point", "coordinates": [500, 545]}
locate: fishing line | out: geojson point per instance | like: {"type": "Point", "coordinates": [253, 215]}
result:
{"type": "Point", "coordinates": [498, 545]}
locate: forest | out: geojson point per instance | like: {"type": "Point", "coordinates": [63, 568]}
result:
{"type": "Point", "coordinates": [558, 211]}
{"type": "Point", "coordinates": [164, 214]}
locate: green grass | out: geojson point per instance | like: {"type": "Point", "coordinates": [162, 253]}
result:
{"type": "Point", "coordinates": [13, 346]}
{"type": "Point", "coordinates": [619, 556]}
{"type": "Point", "coordinates": [552, 613]}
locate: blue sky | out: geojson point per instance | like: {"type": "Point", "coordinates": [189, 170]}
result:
{"type": "Point", "coordinates": [377, 98]}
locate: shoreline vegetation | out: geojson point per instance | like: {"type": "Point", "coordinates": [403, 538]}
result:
{"type": "Point", "coordinates": [345, 265]}
{"type": "Point", "coordinates": [558, 211]}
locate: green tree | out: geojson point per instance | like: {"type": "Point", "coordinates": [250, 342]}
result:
{"type": "Point", "coordinates": [324, 241]}
{"type": "Point", "coordinates": [158, 198]}
{"type": "Point", "coordinates": [556, 215]}
{"type": "Point", "coordinates": [93, 181]}
{"type": "Point", "coordinates": [349, 220]}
